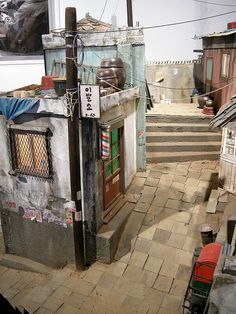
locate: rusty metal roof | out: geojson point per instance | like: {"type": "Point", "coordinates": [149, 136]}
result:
{"type": "Point", "coordinates": [221, 34]}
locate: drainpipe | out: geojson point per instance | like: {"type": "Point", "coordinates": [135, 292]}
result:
{"type": "Point", "coordinates": [74, 135]}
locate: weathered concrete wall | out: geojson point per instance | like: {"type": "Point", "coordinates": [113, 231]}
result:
{"type": "Point", "coordinates": [49, 241]}
{"type": "Point", "coordinates": [53, 242]}
{"type": "Point", "coordinates": [49, 244]}
{"type": "Point", "coordinates": [178, 81]}
{"type": "Point", "coordinates": [92, 164]}
{"type": "Point", "coordinates": [107, 241]}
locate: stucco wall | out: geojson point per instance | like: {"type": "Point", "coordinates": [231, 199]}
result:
{"type": "Point", "coordinates": [46, 241]}
{"type": "Point", "coordinates": [29, 191]}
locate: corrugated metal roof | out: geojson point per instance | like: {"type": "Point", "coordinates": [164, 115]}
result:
{"type": "Point", "coordinates": [225, 115]}
{"type": "Point", "coordinates": [224, 33]}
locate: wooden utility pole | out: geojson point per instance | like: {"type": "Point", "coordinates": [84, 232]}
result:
{"type": "Point", "coordinates": [73, 133]}
{"type": "Point", "coordinates": [129, 13]}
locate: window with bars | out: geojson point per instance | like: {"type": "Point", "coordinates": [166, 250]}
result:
{"type": "Point", "coordinates": [30, 152]}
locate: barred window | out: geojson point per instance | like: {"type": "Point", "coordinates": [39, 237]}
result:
{"type": "Point", "coordinates": [30, 152]}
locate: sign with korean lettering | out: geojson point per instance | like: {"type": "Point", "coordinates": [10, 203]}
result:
{"type": "Point", "coordinates": [90, 101]}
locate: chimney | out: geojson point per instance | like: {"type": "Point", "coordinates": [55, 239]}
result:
{"type": "Point", "coordinates": [231, 25]}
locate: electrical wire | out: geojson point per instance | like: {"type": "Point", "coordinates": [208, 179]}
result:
{"type": "Point", "coordinates": [153, 26]}
{"type": "Point", "coordinates": [173, 100]}
{"type": "Point", "coordinates": [160, 86]}
{"type": "Point", "coordinates": [104, 8]}
{"type": "Point", "coordinates": [214, 3]}
{"type": "Point", "coordinates": [209, 93]}
{"type": "Point", "coordinates": [117, 3]}
{"type": "Point", "coordinates": [148, 98]}
{"type": "Point", "coordinates": [81, 65]}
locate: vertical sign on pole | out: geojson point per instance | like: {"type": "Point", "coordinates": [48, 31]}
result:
{"type": "Point", "coordinates": [90, 101]}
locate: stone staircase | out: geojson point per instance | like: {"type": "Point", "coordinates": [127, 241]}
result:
{"type": "Point", "coordinates": [173, 138]}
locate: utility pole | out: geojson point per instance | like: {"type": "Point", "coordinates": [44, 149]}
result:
{"type": "Point", "coordinates": [73, 133]}
{"type": "Point", "coordinates": [129, 13]}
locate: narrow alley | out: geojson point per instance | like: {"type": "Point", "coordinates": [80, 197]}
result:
{"type": "Point", "coordinates": [152, 274]}
{"type": "Point", "coordinates": [118, 157]}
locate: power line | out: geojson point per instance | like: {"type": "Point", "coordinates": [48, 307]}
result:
{"type": "Point", "coordinates": [60, 31]}
{"type": "Point", "coordinates": [88, 67]}
{"type": "Point", "coordinates": [214, 3]}
{"type": "Point", "coordinates": [153, 84]}
{"type": "Point", "coordinates": [104, 8]}
{"type": "Point", "coordinates": [117, 3]}
{"type": "Point", "coordinates": [165, 25]}
{"type": "Point", "coordinates": [173, 100]}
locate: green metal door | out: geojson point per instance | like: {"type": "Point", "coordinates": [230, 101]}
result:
{"type": "Point", "coordinates": [112, 169]}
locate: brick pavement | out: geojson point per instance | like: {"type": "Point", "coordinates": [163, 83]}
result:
{"type": "Point", "coordinates": [152, 276]}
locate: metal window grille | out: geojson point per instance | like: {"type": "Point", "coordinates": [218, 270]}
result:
{"type": "Point", "coordinates": [31, 153]}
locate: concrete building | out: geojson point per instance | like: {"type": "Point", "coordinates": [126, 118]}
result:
{"type": "Point", "coordinates": [39, 213]}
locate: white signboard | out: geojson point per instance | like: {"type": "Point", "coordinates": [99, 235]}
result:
{"type": "Point", "coordinates": [90, 101]}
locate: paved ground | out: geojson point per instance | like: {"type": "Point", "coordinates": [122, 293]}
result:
{"type": "Point", "coordinates": [183, 109]}
{"type": "Point", "coordinates": [153, 275]}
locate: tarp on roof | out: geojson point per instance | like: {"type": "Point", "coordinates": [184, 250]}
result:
{"type": "Point", "coordinates": [13, 107]}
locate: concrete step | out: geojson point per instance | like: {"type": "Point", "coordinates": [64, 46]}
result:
{"type": "Point", "coordinates": [177, 119]}
{"type": "Point", "coordinates": [183, 146]}
{"type": "Point", "coordinates": [182, 137]}
{"type": "Point", "coordinates": [178, 127]}
{"type": "Point", "coordinates": [108, 236]}
{"type": "Point", "coordinates": [131, 230]}
{"type": "Point", "coordinates": [153, 157]}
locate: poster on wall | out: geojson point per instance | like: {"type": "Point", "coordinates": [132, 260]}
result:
{"type": "Point", "coordinates": [22, 24]}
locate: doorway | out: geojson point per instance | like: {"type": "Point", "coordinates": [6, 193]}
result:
{"type": "Point", "coordinates": [113, 169]}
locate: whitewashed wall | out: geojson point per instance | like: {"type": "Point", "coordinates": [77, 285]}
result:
{"type": "Point", "coordinates": [166, 43]}
{"type": "Point", "coordinates": [33, 192]}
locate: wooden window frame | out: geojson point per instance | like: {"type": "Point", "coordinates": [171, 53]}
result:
{"type": "Point", "coordinates": [209, 75]}
{"type": "Point", "coordinates": [225, 62]}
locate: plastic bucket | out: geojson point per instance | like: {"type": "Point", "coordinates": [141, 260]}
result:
{"type": "Point", "coordinates": [47, 82]}
{"type": "Point", "coordinates": [206, 233]}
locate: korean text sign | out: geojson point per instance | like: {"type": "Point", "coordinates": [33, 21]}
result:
{"type": "Point", "coordinates": [90, 101]}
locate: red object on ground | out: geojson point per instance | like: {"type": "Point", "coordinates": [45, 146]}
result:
{"type": "Point", "coordinates": [206, 262]}
{"type": "Point", "coordinates": [208, 110]}
{"type": "Point", "coordinates": [231, 25]}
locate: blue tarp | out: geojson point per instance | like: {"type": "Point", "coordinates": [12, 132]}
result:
{"type": "Point", "coordinates": [13, 107]}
